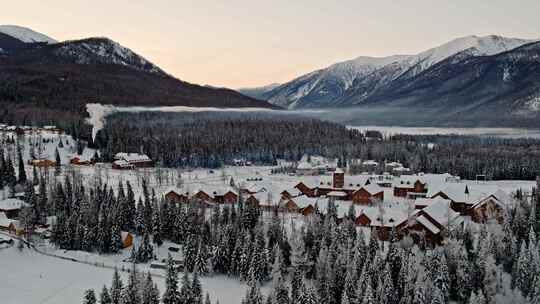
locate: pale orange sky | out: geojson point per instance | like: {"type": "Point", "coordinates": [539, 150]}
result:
{"type": "Point", "coordinates": [242, 43]}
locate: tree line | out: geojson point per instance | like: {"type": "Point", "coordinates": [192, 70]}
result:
{"type": "Point", "coordinates": [215, 139]}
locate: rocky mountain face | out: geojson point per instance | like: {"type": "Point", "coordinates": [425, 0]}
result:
{"type": "Point", "coordinates": [358, 81]}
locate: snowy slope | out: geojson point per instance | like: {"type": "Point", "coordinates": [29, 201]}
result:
{"type": "Point", "coordinates": [25, 34]}
{"type": "Point", "coordinates": [358, 78]}
{"type": "Point", "coordinates": [104, 50]}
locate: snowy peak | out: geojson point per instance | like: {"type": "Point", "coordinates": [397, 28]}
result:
{"type": "Point", "coordinates": [103, 51]}
{"type": "Point", "coordinates": [353, 81]}
{"type": "Point", "coordinates": [25, 35]}
{"type": "Point", "coordinates": [474, 45]}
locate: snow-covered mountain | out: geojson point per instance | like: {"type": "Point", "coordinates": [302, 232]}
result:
{"type": "Point", "coordinates": [353, 81]}
{"type": "Point", "coordinates": [25, 35]}
{"type": "Point", "coordinates": [103, 51]}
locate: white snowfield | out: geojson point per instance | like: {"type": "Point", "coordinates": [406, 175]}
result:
{"type": "Point", "coordinates": [31, 278]}
{"type": "Point", "coordinates": [25, 34]}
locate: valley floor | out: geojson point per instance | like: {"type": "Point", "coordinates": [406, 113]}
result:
{"type": "Point", "coordinates": [29, 277]}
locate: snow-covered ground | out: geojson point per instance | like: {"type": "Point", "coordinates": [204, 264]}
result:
{"type": "Point", "coordinates": [496, 132]}
{"type": "Point", "coordinates": [29, 277]}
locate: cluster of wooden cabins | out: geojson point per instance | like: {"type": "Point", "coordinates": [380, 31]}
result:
{"type": "Point", "coordinates": [423, 206]}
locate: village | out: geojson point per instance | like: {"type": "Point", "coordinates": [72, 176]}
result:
{"type": "Point", "coordinates": [387, 198]}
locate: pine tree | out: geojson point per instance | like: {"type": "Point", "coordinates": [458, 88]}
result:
{"type": "Point", "coordinates": [116, 288]}
{"type": "Point", "coordinates": [296, 284]}
{"type": "Point", "coordinates": [171, 295]}
{"type": "Point", "coordinates": [145, 252]}
{"type": "Point", "coordinates": [104, 296]}
{"type": "Point", "coordinates": [307, 295]}
{"type": "Point", "coordinates": [22, 172]}
{"type": "Point", "coordinates": [368, 295]}
{"type": "Point", "coordinates": [89, 297]}
{"type": "Point", "coordinates": [207, 299]}
{"type": "Point", "coordinates": [196, 290]}
{"type": "Point", "coordinates": [131, 294]}
{"type": "Point", "coordinates": [150, 294]}
{"type": "Point", "coordinates": [58, 164]}
{"type": "Point", "coordinates": [201, 261]}
{"type": "Point", "coordinates": [281, 293]}
{"type": "Point", "coordinates": [253, 294]}
{"type": "Point", "coordinates": [186, 296]}
{"type": "Point", "coordinates": [157, 239]}
{"type": "Point", "coordinates": [535, 296]}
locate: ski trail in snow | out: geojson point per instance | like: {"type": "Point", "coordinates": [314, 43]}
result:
{"type": "Point", "coordinates": [99, 112]}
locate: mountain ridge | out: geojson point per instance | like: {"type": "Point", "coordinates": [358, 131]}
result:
{"type": "Point", "coordinates": [357, 79]}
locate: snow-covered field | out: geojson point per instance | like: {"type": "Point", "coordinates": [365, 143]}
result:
{"type": "Point", "coordinates": [496, 132]}
{"type": "Point", "coordinates": [31, 278]}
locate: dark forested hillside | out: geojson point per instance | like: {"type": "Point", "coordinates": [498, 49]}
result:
{"type": "Point", "coordinates": [211, 140]}
{"type": "Point", "coordinates": [53, 83]}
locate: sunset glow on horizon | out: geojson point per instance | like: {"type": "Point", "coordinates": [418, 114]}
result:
{"type": "Point", "coordinates": [242, 43]}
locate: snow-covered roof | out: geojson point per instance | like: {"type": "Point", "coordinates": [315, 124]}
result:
{"type": "Point", "coordinates": [441, 212]}
{"type": "Point", "coordinates": [469, 193]}
{"type": "Point", "coordinates": [385, 217]}
{"type": "Point", "coordinates": [293, 191]}
{"type": "Point", "coordinates": [370, 163]}
{"type": "Point", "coordinates": [304, 166]}
{"type": "Point", "coordinates": [121, 163]}
{"type": "Point", "coordinates": [5, 221]}
{"type": "Point", "coordinates": [424, 202]}
{"type": "Point", "coordinates": [339, 171]}
{"type": "Point", "coordinates": [136, 157]}
{"type": "Point", "coordinates": [336, 194]}
{"type": "Point", "coordinates": [305, 201]}
{"type": "Point", "coordinates": [11, 204]}
{"type": "Point", "coordinates": [428, 224]}
{"type": "Point", "coordinates": [373, 188]}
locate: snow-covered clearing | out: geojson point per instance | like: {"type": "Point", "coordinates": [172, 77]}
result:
{"type": "Point", "coordinates": [29, 277]}
{"type": "Point", "coordinates": [495, 132]}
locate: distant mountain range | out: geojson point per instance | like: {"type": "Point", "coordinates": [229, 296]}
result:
{"type": "Point", "coordinates": [35, 68]}
{"type": "Point", "coordinates": [470, 78]}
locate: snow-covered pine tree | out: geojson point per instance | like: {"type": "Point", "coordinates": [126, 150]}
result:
{"type": "Point", "coordinates": [489, 281]}
{"type": "Point", "coordinates": [89, 297]}
{"type": "Point", "coordinates": [296, 284]}
{"type": "Point", "coordinates": [145, 252]}
{"type": "Point", "coordinates": [157, 230]}
{"type": "Point", "coordinates": [201, 260]}
{"type": "Point", "coordinates": [368, 295]}
{"type": "Point", "coordinates": [171, 294]}
{"type": "Point", "coordinates": [116, 239]}
{"type": "Point", "coordinates": [307, 295]}
{"type": "Point", "coordinates": [523, 276]}
{"type": "Point", "coordinates": [131, 293]}
{"type": "Point", "coordinates": [196, 290]}
{"type": "Point", "coordinates": [116, 288]}
{"type": "Point", "coordinates": [22, 173]}
{"type": "Point", "coordinates": [186, 294]}
{"type": "Point", "coordinates": [104, 296]}
{"type": "Point", "coordinates": [149, 292]}
{"type": "Point", "coordinates": [253, 294]}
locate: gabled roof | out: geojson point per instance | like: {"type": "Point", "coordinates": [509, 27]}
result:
{"type": "Point", "coordinates": [385, 217]}
{"type": "Point", "coordinates": [466, 193]}
{"type": "Point", "coordinates": [305, 201]}
{"type": "Point", "coordinates": [372, 188]}
{"type": "Point", "coordinates": [292, 191]}
{"type": "Point", "coordinates": [440, 214]}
